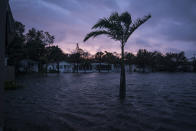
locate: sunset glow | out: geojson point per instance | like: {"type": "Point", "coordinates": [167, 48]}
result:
{"type": "Point", "coordinates": [170, 29]}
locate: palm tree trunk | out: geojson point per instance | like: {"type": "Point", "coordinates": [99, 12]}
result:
{"type": "Point", "coordinates": [122, 75]}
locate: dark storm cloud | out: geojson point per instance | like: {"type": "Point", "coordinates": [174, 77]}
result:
{"type": "Point", "coordinates": [81, 4]}
{"type": "Point", "coordinates": [172, 25]}
{"type": "Point", "coordinates": [175, 19]}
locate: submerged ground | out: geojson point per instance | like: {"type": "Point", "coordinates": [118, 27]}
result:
{"type": "Point", "coordinates": [60, 102]}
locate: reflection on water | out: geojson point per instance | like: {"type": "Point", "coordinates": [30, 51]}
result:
{"type": "Point", "coordinates": [59, 102]}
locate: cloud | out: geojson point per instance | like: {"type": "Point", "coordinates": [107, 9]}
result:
{"type": "Point", "coordinates": [172, 25]}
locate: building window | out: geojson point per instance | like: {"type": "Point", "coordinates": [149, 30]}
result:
{"type": "Point", "coordinates": [61, 66]}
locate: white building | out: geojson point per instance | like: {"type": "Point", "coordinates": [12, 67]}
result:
{"type": "Point", "coordinates": [28, 65]}
{"type": "Point", "coordinates": [103, 67]}
{"type": "Point", "coordinates": [128, 68]}
{"type": "Point", "coordinates": [93, 67]}
{"type": "Point", "coordinates": [71, 67]}
{"type": "Point", "coordinates": [63, 67]}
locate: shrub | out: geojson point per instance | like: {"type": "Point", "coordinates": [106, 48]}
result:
{"type": "Point", "coordinates": [11, 85]}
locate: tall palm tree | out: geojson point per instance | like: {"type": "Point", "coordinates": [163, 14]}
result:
{"type": "Point", "coordinates": [119, 28]}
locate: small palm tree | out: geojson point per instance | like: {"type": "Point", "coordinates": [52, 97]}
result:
{"type": "Point", "coordinates": [119, 28]}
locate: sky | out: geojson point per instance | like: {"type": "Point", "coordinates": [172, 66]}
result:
{"type": "Point", "coordinates": [172, 27]}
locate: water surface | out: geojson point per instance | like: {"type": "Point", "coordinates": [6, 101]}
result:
{"type": "Point", "coordinates": [60, 102]}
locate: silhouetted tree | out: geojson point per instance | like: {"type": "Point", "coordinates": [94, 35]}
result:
{"type": "Point", "coordinates": [55, 55]}
{"type": "Point", "coordinates": [182, 62]}
{"type": "Point", "coordinates": [86, 65]}
{"type": "Point", "coordinates": [109, 57]}
{"type": "Point", "coordinates": [119, 28]}
{"type": "Point", "coordinates": [48, 39]}
{"type": "Point", "coordinates": [143, 59]}
{"type": "Point", "coordinates": [98, 58]}
{"type": "Point", "coordinates": [76, 57]}
{"type": "Point", "coordinates": [129, 58]}
{"type": "Point", "coordinates": [174, 60]}
{"type": "Point", "coordinates": [36, 43]}
{"type": "Point", "coordinates": [157, 61]}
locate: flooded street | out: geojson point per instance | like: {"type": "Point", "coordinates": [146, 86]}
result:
{"type": "Point", "coordinates": [82, 102]}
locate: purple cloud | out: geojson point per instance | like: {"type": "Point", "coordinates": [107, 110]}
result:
{"type": "Point", "coordinates": [172, 25]}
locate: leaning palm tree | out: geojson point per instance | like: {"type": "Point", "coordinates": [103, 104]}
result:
{"type": "Point", "coordinates": [119, 28]}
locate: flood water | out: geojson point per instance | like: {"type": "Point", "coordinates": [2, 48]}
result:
{"type": "Point", "coordinates": [88, 102]}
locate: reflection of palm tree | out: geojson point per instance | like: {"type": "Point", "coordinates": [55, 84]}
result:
{"type": "Point", "coordinates": [119, 28]}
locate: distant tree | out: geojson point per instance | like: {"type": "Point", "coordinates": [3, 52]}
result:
{"type": "Point", "coordinates": [86, 55]}
{"type": "Point", "coordinates": [111, 58]}
{"type": "Point", "coordinates": [182, 62]}
{"type": "Point", "coordinates": [98, 58]}
{"type": "Point", "coordinates": [143, 59]}
{"type": "Point", "coordinates": [174, 60]}
{"type": "Point", "coordinates": [36, 43]}
{"type": "Point", "coordinates": [86, 61]}
{"type": "Point", "coordinates": [48, 39]}
{"type": "Point", "coordinates": [55, 55]}
{"type": "Point", "coordinates": [157, 61]}
{"type": "Point", "coordinates": [76, 57]}
{"type": "Point", "coordinates": [129, 58]}
{"type": "Point", "coordinates": [119, 28]}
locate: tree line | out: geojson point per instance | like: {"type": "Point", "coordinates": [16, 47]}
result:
{"type": "Point", "coordinates": [39, 46]}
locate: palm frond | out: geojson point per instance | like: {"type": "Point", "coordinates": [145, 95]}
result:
{"type": "Point", "coordinates": [126, 18]}
{"type": "Point", "coordinates": [114, 17]}
{"type": "Point", "coordinates": [126, 21]}
{"type": "Point", "coordinates": [102, 23]}
{"type": "Point", "coordinates": [117, 27]}
{"type": "Point", "coordinates": [96, 33]}
{"type": "Point", "coordinates": [139, 22]}
{"type": "Point", "coordinates": [136, 24]}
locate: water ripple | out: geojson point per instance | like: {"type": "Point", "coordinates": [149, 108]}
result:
{"type": "Point", "coordinates": [155, 101]}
